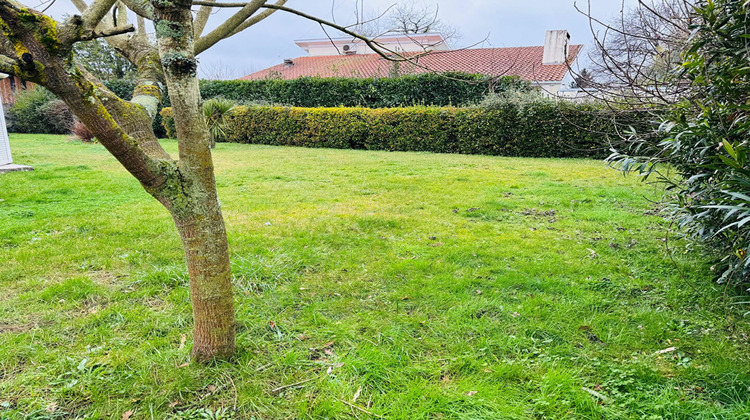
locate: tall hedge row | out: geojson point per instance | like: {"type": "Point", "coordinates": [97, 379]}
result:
{"type": "Point", "coordinates": [543, 129]}
{"type": "Point", "coordinates": [449, 89]}
{"type": "Point", "coordinates": [457, 89]}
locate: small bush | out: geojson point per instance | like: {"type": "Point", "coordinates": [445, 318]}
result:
{"type": "Point", "coordinates": [37, 111]}
{"type": "Point", "coordinates": [167, 121]}
{"type": "Point", "coordinates": [81, 132]}
{"type": "Point", "coordinates": [57, 116]}
{"type": "Point", "coordinates": [518, 97]}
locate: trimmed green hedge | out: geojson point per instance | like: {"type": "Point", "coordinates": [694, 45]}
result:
{"type": "Point", "coordinates": [456, 89]}
{"type": "Point", "coordinates": [543, 129]}
{"type": "Point", "coordinates": [449, 89]}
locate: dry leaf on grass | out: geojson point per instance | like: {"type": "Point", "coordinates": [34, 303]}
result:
{"type": "Point", "coordinates": [334, 366]}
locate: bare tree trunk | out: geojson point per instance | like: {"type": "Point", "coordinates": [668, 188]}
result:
{"type": "Point", "coordinates": [195, 206]}
{"type": "Point", "coordinates": [206, 251]}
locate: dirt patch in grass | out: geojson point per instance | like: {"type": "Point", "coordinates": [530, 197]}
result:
{"type": "Point", "coordinates": [6, 327]}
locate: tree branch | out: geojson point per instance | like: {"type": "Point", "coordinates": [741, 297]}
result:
{"type": "Point", "coordinates": [199, 23]}
{"type": "Point", "coordinates": [120, 14]}
{"type": "Point", "coordinates": [80, 5]}
{"type": "Point", "coordinates": [226, 28]}
{"type": "Point", "coordinates": [104, 33]}
{"type": "Point", "coordinates": [138, 50]}
{"type": "Point", "coordinates": [141, 27]}
{"type": "Point", "coordinates": [663, 18]}
{"type": "Point", "coordinates": [143, 8]}
{"type": "Point", "coordinates": [375, 46]}
{"type": "Point", "coordinates": [257, 18]}
{"type": "Point", "coordinates": [379, 49]}
{"type": "Point", "coordinates": [7, 64]}
{"type": "Point", "coordinates": [94, 13]}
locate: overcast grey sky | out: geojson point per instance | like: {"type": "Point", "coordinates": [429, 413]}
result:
{"type": "Point", "coordinates": [500, 23]}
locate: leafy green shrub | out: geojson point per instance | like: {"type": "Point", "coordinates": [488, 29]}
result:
{"type": "Point", "coordinates": [123, 88]}
{"type": "Point", "coordinates": [216, 111]}
{"type": "Point", "coordinates": [448, 89]}
{"type": "Point", "coordinates": [539, 129]}
{"type": "Point", "coordinates": [705, 140]}
{"type": "Point", "coordinates": [167, 120]}
{"type": "Point", "coordinates": [38, 111]}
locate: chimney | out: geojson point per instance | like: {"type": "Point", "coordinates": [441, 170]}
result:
{"type": "Point", "coordinates": [556, 47]}
{"type": "Point", "coordinates": [288, 62]}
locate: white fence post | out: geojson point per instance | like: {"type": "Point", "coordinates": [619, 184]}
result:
{"type": "Point", "coordinates": [5, 156]}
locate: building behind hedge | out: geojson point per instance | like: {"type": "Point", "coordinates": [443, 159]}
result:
{"type": "Point", "coordinates": [546, 66]}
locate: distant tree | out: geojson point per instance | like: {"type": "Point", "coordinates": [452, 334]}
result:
{"type": "Point", "coordinates": [220, 70]}
{"type": "Point", "coordinates": [414, 18]}
{"type": "Point", "coordinates": [409, 18]}
{"type": "Point", "coordinates": [583, 80]}
{"type": "Point", "coordinates": [634, 55]}
{"type": "Point", "coordinates": [103, 61]}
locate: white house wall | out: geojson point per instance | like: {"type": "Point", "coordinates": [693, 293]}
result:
{"type": "Point", "coordinates": [404, 43]}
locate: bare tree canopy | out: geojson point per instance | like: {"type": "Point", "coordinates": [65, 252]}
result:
{"type": "Point", "coordinates": [36, 47]}
{"type": "Point", "coordinates": [634, 55]}
{"type": "Point", "coordinates": [410, 17]}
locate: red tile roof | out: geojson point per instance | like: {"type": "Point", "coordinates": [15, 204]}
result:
{"type": "Point", "coordinates": [525, 62]}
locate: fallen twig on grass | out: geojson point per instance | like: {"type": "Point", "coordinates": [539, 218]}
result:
{"type": "Point", "coordinates": [264, 367]}
{"type": "Point", "coordinates": [356, 407]}
{"type": "Point", "coordinates": [281, 388]}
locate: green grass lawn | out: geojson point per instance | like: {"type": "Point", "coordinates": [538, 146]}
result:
{"type": "Point", "coordinates": [407, 285]}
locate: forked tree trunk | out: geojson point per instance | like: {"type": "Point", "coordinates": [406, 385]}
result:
{"type": "Point", "coordinates": [38, 48]}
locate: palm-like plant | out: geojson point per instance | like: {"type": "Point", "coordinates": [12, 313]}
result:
{"type": "Point", "coordinates": [215, 111]}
